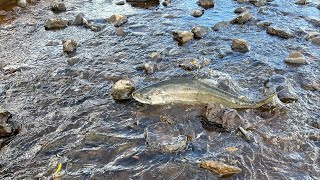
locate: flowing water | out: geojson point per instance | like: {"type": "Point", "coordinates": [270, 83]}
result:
{"type": "Point", "coordinates": [66, 113]}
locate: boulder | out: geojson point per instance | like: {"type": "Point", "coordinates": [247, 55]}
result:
{"type": "Point", "coordinates": [193, 64]}
{"type": "Point", "coordinates": [69, 46]}
{"type": "Point", "coordinates": [242, 18]}
{"type": "Point", "coordinates": [218, 26]}
{"type": "Point", "coordinates": [240, 45]}
{"type": "Point", "coordinates": [120, 32]}
{"type": "Point", "coordinates": [219, 167]}
{"type": "Point", "coordinates": [315, 40]}
{"type": "Point", "coordinates": [197, 12]}
{"type": "Point", "coordinates": [117, 20]}
{"type": "Point", "coordinates": [199, 32]}
{"type": "Point", "coordinates": [122, 89]}
{"type": "Point", "coordinates": [58, 23]}
{"type": "Point", "coordinates": [182, 36]}
{"type": "Point", "coordinates": [280, 32]}
{"type": "Point", "coordinates": [72, 61]}
{"type": "Point", "coordinates": [259, 2]}
{"type": "Point", "coordinates": [296, 57]}
{"type": "Point", "coordinates": [301, 2]}
{"type": "Point", "coordinates": [240, 10]}
{"type": "Point", "coordinates": [58, 6]}
{"type": "Point", "coordinates": [79, 20]}
{"type": "Point", "coordinates": [206, 4]}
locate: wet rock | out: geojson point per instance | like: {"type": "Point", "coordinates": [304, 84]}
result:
{"type": "Point", "coordinates": [166, 2]}
{"type": "Point", "coordinates": [242, 1]}
{"type": "Point", "coordinates": [301, 2]}
{"type": "Point", "coordinates": [312, 34]}
{"type": "Point", "coordinates": [296, 57]}
{"type": "Point", "coordinates": [73, 60]}
{"type": "Point", "coordinates": [22, 3]}
{"type": "Point", "coordinates": [148, 68]}
{"type": "Point", "coordinates": [283, 33]}
{"type": "Point", "coordinates": [155, 55]}
{"type": "Point", "coordinates": [219, 116]}
{"type": "Point", "coordinates": [286, 94]}
{"type": "Point", "coordinates": [276, 80]}
{"type": "Point", "coordinates": [58, 23]}
{"type": "Point", "coordinates": [197, 12]}
{"type": "Point", "coordinates": [264, 24]}
{"type": "Point", "coordinates": [79, 20]}
{"type": "Point", "coordinates": [318, 7]}
{"type": "Point", "coordinates": [259, 2]}
{"type": "Point", "coordinates": [162, 136]}
{"type": "Point", "coordinates": [120, 32]}
{"type": "Point", "coordinates": [242, 18]}
{"type": "Point", "coordinates": [117, 20]}
{"type": "Point", "coordinates": [120, 3]}
{"type": "Point", "coordinates": [315, 40]}
{"type": "Point", "coordinates": [310, 85]}
{"type": "Point", "coordinates": [6, 129]}
{"type": "Point", "coordinates": [219, 167]}
{"type": "Point", "coordinates": [206, 4]}
{"type": "Point", "coordinates": [240, 45]}
{"type": "Point", "coordinates": [218, 26]}
{"type": "Point", "coordinates": [314, 20]}
{"type": "Point", "coordinates": [52, 43]}
{"type": "Point", "coordinates": [122, 89]}
{"type": "Point", "coordinates": [194, 64]}
{"type": "Point", "coordinates": [169, 16]}
{"type": "Point", "coordinates": [182, 36]}
{"type": "Point", "coordinates": [240, 10]}
{"type": "Point", "coordinates": [58, 6]}
{"type": "Point", "coordinates": [199, 32]}
{"type": "Point", "coordinates": [69, 46]}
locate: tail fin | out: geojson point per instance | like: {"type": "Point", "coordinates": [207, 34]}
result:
{"type": "Point", "coordinates": [270, 99]}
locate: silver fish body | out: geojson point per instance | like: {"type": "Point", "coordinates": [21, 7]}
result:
{"type": "Point", "coordinates": [192, 91]}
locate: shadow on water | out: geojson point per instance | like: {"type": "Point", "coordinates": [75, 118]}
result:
{"type": "Point", "coordinates": [145, 4]}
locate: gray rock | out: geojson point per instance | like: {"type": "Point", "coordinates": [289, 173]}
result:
{"type": "Point", "coordinates": [117, 20]}
{"type": "Point", "coordinates": [197, 12]}
{"type": "Point", "coordinates": [120, 3]}
{"type": "Point", "coordinates": [58, 6]}
{"type": "Point", "coordinates": [6, 129]}
{"type": "Point", "coordinates": [240, 10]}
{"type": "Point", "coordinates": [166, 2]}
{"type": "Point", "coordinates": [163, 137]}
{"type": "Point", "coordinates": [53, 43]}
{"type": "Point", "coordinates": [276, 31]}
{"type": "Point", "coordinates": [240, 45]}
{"type": "Point", "coordinates": [122, 89]}
{"type": "Point", "coordinates": [120, 32]}
{"type": "Point", "coordinates": [218, 26]}
{"type": "Point", "coordinates": [22, 3]}
{"type": "Point", "coordinates": [315, 40]}
{"type": "Point", "coordinates": [58, 23]}
{"type": "Point", "coordinates": [242, 1]}
{"type": "Point", "coordinates": [148, 68]}
{"type": "Point", "coordinates": [264, 24]}
{"type": "Point", "coordinates": [206, 4]}
{"type": "Point", "coordinates": [301, 2]}
{"type": "Point", "coordinates": [286, 93]}
{"type": "Point", "coordinates": [259, 2]}
{"type": "Point", "coordinates": [69, 46]}
{"type": "Point", "coordinates": [193, 64]}
{"type": "Point", "coordinates": [169, 16]}
{"type": "Point", "coordinates": [242, 18]}
{"type": "Point", "coordinates": [314, 20]}
{"type": "Point", "coordinates": [276, 80]}
{"type": "Point", "coordinates": [73, 60]}
{"type": "Point", "coordinates": [296, 57]}
{"type": "Point", "coordinates": [199, 32]}
{"type": "Point", "coordinates": [79, 20]}
{"type": "Point", "coordinates": [310, 85]}
{"type": "Point", "coordinates": [155, 55]}
{"type": "Point", "coordinates": [182, 36]}
{"type": "Point", "coordinates": [312, 34]}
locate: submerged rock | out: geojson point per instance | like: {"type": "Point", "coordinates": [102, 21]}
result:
{"type": "Point", "coordinates": [79, 20]}
{"type": "Point", "coordinates": [240, 45]}
{"type": "Point", "coordinates": [69, 46]}
{"type": "Point", "coordinates": [218, 26]}
{"type": "Point", "coordinates": [259, 2]}
{"type": "Point", "coordinates": [315, 40]}
{"type": "Point", "coordinates": [206, 3]}
{"type": "Point", "coordinates": [120, 3]}
{"type": "Point", "coordinates": [219, 167]}
{"type": "Point", "coordinates": [193, 64]}
{"type": "Point", "coordinates": [120, 32]}
{"type": "Point", "coordinates": [264, 24]}
{"type": "Point", "coordinates": [73, 60]}
{"type": "Point", "coordinates": [197, 12]}
{"type": "Point", "coordinates": [117, 20]}
{"type": "Point", "coordinates": [283, 33]}
{"type": "Point", "coordinates": [301, 2]}
{"type": "Point", "coordinates": [58, 6]}
{"type": "Point", "coordinates": [296, 57]}
{"type": "Point", "coordinates": [166, 2]}
{"type": "Point", "coordinates": [182, 36]}
{"type": "Point", "coordinates": [240, 10]}
{"type": "Point", "coordinates": [199, 31]}
{"type": "Point", "coordinates": [122, 89]}
{"type": "Point", "coordinates": [242, 1]}
{"type": "Point", "coordinates": [162, 136]}
{"type": "Point", "coordinates": [58, 23]}
{"type": "Point", "coordinates": [242, 18]}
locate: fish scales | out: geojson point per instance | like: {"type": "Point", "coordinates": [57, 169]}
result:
{"type": "Point", "coordinates": [192, 91]}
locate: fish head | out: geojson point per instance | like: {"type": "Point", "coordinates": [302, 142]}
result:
{"type": "Point", "coordinates": [148, 96]}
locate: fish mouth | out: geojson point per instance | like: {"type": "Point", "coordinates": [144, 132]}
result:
{"type": "Point", "coordinates": [140, 98]}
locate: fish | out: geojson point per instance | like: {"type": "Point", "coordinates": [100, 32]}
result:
{"type": "Point", "coordinates": [194, 92]}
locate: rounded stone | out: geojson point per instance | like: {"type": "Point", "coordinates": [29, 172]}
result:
{"type": "Point", "coordinates": [122, 89]}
